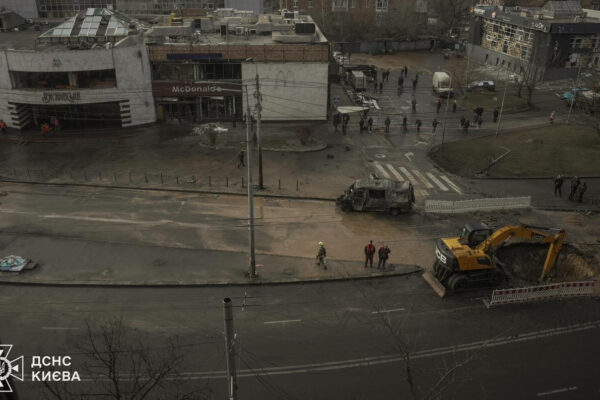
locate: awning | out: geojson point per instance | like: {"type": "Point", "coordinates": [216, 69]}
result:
{"type": "Point", "coordinates": [351, 109]}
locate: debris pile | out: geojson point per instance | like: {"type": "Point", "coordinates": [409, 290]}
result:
{"type": "Point", "coordinates": [525, 261]}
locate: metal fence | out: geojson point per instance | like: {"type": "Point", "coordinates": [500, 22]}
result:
{"type": "Point", "coordinates": [459, 206]}
{"type": "Point", "coordinates": [148, 179]}
{"type": "Point", "coordinates": [542, 292]}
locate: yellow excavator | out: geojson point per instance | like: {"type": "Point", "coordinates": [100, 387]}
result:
{"type": "Point", "coordinates": [469, 258]}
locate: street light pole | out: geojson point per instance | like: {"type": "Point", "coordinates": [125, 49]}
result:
{"type": "Point", "coordinates": [501, 108]}
{"type": "Point", "coordinates": [258, 97]}
{"type": "Point", "coordinates": [230, 349]}
{"type": "Point", "coordinates": [574, 92]}
{"type": "Point", "coordinates": [446, 115]}
{"type": "Point", "coordinates": [252, 272]}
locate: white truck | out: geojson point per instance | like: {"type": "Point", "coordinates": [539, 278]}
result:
{"type": "Point", "coordinates": [442, 84]}
{"type": "Point", "coordinates": [358, 80]}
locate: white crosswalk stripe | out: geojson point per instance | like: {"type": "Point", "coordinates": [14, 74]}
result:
{"type": "Point", "coordinates": [409, 176]}
{"type": "Point", "coordinates": [401, 174]}
{"type": "Point", "coordinates": [451, 184]}
{"type": "Point", "coordinates": [423, 179]}
{"type": "Point", "coordinates": [437, 181]}
{"type": "Point", "coordinates": [382, 170]}
{"type": "Point", "coordinates": [399, 177]}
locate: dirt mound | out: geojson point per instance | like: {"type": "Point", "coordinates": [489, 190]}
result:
{"type": "Point", "coordinates": [526, 261]}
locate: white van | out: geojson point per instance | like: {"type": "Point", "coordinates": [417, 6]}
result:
{"type": "Point", "coordinates": [442, 84]}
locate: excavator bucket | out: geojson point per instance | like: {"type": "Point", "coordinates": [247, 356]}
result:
{"type": "Point", "coordinates": [434, 283]}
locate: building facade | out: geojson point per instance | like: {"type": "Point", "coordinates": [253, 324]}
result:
{"type": "Point", "coordinates": [81, 83]}
{"type": "Point", "coordinates": [557, 40]}
{"type": "Point", "coordinates": [68, 8]}
{"type": "Point", "coordinates": [212, 76]}
{"type": "Point", "coordinates": [25, 8]}
{"type": "Point", "coordinates": [148, 7]}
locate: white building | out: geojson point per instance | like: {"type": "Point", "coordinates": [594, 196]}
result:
{"type": "Point", "coordinates": [91, 71]}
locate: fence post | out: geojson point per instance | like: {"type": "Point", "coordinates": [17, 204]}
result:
{"type": "Point", "coordinates": [177, 178]}
{"type": "Point", "coordinates": [161, 177]}
{"type": "Point", "coordinates": [279, 183]}
{"type": "Point", "coordinates": [297, 186]}
{"type": "Point", "coordinates": [145, 176]}
{"type": "Point", "coordinates": [209, 182]}
{"type": "Point", "coordinates": [242, 182]}
{"type": "Point", "coordinates": [226, 181]}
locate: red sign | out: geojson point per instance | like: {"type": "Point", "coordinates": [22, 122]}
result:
{"type": "Point", "coordinates": [183, 89]}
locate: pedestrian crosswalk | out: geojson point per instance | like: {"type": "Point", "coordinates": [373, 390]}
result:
{"type": "Point", "coordinates": [421, 180]}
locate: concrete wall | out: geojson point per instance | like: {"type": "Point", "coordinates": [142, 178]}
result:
{"type": "Point", "coordinates": [290, 91]}
{"type": "Point", "coordinates": [25, 8]}
{"type": "Point", "coordinates": [130, 61]}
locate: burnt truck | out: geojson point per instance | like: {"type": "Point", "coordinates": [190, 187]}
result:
{"type": "Point", "coordinates": [377, 194]}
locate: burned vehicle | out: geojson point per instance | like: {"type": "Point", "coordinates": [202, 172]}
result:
{"type": "Point", "coordinates": [377, 194]}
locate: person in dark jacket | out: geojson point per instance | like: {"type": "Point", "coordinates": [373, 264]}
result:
{"type": "Point", "coordinates": [581, 191]}
{"type": "Point", "coordinates": [387, 122]}
{"type": "Point", "coordinates": [404, 124]}
{"type": "Point", "coordinates": [370, 123]}
{"type": "Point", "coordinates": [384, 253]}
{"type": "Point", "coordinates": [574, 185]}
{"type": "Point", "coordinates": [558, 182]}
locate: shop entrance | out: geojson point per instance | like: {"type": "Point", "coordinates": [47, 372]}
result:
{"type": "Point", "coordinates": [74, 116]}
{"type": "Point", "coordinates": [202, 109]}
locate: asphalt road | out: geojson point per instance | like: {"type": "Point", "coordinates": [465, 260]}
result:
{"type": "Point", "coordinates": [327, 341]}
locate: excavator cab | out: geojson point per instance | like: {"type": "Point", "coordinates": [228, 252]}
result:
{"type": "Point", "coordinates": [473, 234]}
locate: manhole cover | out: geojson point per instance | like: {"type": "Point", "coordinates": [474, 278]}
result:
{"type": "Point", "coordinates": [379, 155]}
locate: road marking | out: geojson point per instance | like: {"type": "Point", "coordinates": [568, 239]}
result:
{"type": "Point", "coordinates": [382, 170]}
{"type": "Point", "coordinates": [396, 173]}
{"type": "Point", "coordinates": [451, 184]}
{"type": "Point", "coordinates": [569, 389]}
{"type": "Point", "coordinates": [385, 359]}
{"type": "Point", "coordinates": [423, 179]}
{"type": "Point", "coordinates": [387, 311]}
{"type": "Point", "coordinates": [58, 328]}
{"type": "Point", "coordinates": [282, 322]}
{"type": "Point", "coordinates": [437, 182]}
{"type": "Point", "coordinates": [409, 176]}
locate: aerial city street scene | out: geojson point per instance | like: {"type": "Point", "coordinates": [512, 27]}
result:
{"type": "Point", "coordinates": [299, 199]}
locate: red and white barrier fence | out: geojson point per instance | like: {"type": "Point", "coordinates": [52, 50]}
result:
{"type": "Point", "coordinates": [533, 293]}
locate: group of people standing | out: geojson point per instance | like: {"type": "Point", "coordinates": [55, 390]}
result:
{"type": "Point", "coordinates": [370, 249]}
{"type": "Point", "coordinates": [578, 189]}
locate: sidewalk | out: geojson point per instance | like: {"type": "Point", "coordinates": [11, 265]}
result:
{"type": "Point", "coordinates": [109, 264]}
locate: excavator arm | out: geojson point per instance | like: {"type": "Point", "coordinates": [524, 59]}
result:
{"type": "Point", "coordinates": [534, 234]}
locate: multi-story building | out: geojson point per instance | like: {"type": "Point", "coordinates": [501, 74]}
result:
{"type": "Point", "coordinates": [68, 8]}
{"type": "Point", "coordinates": [90, 71]}
{"type": "Point", "coordinates": [211, 74]}
{"type": "Point", "coordinates": [25, 8]}
{"type": "Point", "coordinates": [149, 7]}
{"type": "Point", "coordinates": [558, 39]}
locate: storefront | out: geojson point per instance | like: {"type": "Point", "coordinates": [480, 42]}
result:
{"type": "Point", "coordinates": [196, 102]}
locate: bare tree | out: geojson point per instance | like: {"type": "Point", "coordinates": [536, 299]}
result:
{"type": "Point", "coordinates": [122, 367]}
{"type": "Point", "coordinates": [451, 12]}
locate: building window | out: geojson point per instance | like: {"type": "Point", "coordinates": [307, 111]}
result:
{"type": "Point", "coordinates": [310, 3]}
{"type": "Point", "coordinates": [339, 5]}
{"type": "Point", "coordinates": [295, 3]}
{"type": "Point", "coordinates": [381, 6]}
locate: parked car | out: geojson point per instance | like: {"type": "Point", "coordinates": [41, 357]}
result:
{"type": "Point", "coordinates": [482, 85]}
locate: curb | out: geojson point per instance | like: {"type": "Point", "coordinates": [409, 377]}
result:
{"type": "Point", "coordinates": [173, 190]}
{"type": "Point", "coordinates": [321, 147]}
{"type": "Point", "coordinates": [417, 269]}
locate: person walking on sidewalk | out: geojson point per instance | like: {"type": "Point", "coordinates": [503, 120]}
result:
{"type": "Point", "coordinates": [479, 122]}
{"type": "Point", "coordinates": [552, 114]}
{"type": "Point", "coordinates": [361, 124]}
{"type": "Point", "coordinates": [388, 121]}
{"type": "Point", "coordinates": [414, 85]}
{"type": "Point", "coordinates": [405, 71]}
{"type": "Point", "coordinates": [370, 123]}
{"type": "Point", "coordinates": [466, 127]}
{"type": "Point", "coordinates": [336, 121]}
{"type": "Point", "coordinates": [369, 252]}
{"type": "Point", "coordinates": [496, 112]}
{"type": "Point", "coordinates": [462, 121]}
{"type": "Point", "coordinates": [418, 124]}
{"type": "Point", "coordinates": [454, 106]}
{"type": "Point", "coordinates": [558, 182]}
{"type": "Point", "coordinates": [400, 81]}
{"type": "Point", "coordinates": [322, 255]}
{"type": "Point", "coordinates": [404, 124]}
{"type": "Point", "coordinates": [381, 87]}
{"type": "Point", "coordinates": [438, 106]}
{"type": "Point", "coordinates": [580, 192]}
{"type": "Point", "coordinates": [413, 103]}
{"type": "Point", "coordinates": [434, 125]}
{"type": "Point", "coordinates": [574, 185]}
{"type": "Point", "coordinates": [241, 156]}
{"type": "Point", "coordinates": [384, 253]}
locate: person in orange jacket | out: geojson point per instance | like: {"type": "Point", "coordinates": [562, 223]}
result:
{"type": "Point", "coordinates": [369, 252]}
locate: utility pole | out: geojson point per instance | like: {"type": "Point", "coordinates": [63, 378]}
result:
{"type": "Point", "coordinates": [252, 272]}
{"type": "Point", "coordinates": [501, 107]}
{"type": "Point", "coordinates": [445, 115]}
{"type": "Point", "coordinates": [230, 349]}
{"type": "Point", "coordinates": [575, 90]}
{"type": "Point", "coordinates": [258, 97]}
